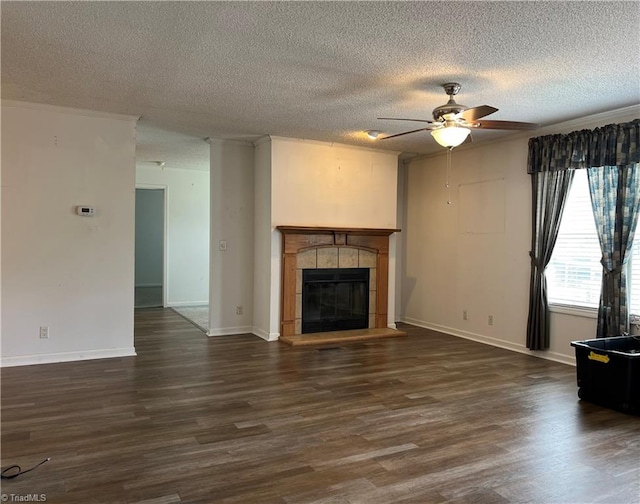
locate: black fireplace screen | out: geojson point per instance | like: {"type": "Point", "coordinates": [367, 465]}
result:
{"type": "Point", "coordinates": [335, 299]}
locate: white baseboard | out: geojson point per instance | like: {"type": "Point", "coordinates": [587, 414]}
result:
{"type": "Point", "coordinates": [267, 336]}
{"type": "Point", "coordinates": [186, 303]}
{"type": "Point", "coordinates": [487, 340]}
{"type": "Point", "coordinates": [392, 326]}
{"type": "Point", "coordinates": [229, 331]}
{"type": "Point", "coordinates": [260, 333]}
{"type": "Point", "coordinates": [28, 360]}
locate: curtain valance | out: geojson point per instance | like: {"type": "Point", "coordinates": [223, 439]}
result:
{"type": "Point", "coordinates": [610, 145]}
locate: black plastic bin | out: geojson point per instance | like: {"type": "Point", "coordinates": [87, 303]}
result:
{"type": "Point", "coordinates": [608, 371]}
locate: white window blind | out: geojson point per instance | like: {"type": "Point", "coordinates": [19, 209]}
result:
{"type": "Point", "coordinates": [574, 274]}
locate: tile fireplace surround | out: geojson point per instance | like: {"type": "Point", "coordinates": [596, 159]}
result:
{"type": "Point", "coordinates": [323, 247]}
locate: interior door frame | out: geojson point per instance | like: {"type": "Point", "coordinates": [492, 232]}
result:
{"type": "Point", "coordinates": [165, 228]}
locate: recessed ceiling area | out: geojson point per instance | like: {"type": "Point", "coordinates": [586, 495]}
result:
{"type": "Point", "coordinates": [320, 70]}
{"type": "Point", "coordinates": [155, 145]}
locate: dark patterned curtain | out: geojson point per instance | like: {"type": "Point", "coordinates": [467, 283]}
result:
{"type": "Point", "coordinates": [549, 194]}
{"type": "Point", "coordinates": [611, 145]}
{"type": "Point", "coordinates": [615, 199]}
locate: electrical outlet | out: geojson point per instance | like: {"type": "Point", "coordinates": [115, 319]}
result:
{"type": "Point", "coordinates": [465, 316]}
{"type": "Point", "coordinates": [239, 310]}
{"type": "Point", "coordinates": [490, 320]}
{"type": "Point", "coordinates": [44, 332]}
{"type": "Point", "coordinates": [222, 245]}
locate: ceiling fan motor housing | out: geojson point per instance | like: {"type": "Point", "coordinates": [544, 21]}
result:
{"type": "Point", "coordinates": [445, 111]}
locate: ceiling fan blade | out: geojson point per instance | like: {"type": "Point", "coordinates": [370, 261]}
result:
{"type": "Point", "coordinates": [400, 119]}
{"type": "Point", "coordinates": [405, 133]}
{"type": "Point", "coordinates": [471, 114]}
{"type": "Point", "coordinates": [504, 125]}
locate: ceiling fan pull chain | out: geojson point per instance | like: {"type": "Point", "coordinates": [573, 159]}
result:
{"type": "Point", "coordinates": [447, 185]}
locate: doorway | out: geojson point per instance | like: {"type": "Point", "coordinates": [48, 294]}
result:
{"type": "Point", "coordinates": [149, 248]}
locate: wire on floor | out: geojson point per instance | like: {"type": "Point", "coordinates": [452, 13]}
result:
{"type": "Point", "coordinates": [17, 470]}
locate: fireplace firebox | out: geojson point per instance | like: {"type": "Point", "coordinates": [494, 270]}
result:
{"type": "Point", "coordinates": [335, 299]}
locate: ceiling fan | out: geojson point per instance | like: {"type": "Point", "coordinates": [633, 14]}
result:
{"type": "Point", "coordinates": [453, 122]}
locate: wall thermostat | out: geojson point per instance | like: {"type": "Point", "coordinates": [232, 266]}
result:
{"type": "Point", "coordinates": [85, 211]}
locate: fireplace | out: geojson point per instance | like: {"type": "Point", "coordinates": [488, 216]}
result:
{"type": "Point", "coordinates": [320, 248]}
{"type": "Point", "coordinates": [335, 299]}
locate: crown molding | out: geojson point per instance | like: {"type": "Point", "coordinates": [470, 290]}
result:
{"type": "Point", "coordinates": [213, 141]}
{"type": "Point", "coordinates": [262, 140]}
{"type": "Point", "coordinates": [591, 121]}
{"type": "Point", "coordinates": [68, 110]}
{"type": "Point", "coordinates": [335, 144]}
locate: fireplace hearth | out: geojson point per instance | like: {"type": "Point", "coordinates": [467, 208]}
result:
{"type": "Point", "coordinates": [335, 299]}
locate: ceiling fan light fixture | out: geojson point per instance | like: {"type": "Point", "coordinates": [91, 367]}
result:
{"type": "Point", "coordinates": [450, 136]}
{"type": "Point", "coordinates": [373, 134]}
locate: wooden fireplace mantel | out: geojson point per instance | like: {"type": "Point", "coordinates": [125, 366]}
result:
{"type": "Point", "coordinates": [297, 239]}
{"type": "Point", "coordinates": [332, 230]}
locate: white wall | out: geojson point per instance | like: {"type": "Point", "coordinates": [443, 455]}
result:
{"type": "Point", "coordinates": [320, 184]}
{"type": "Point", "coordinates": [73, 274]}
{"type": "Point", "coordinates": [401, 238]}
{"type": "Point", "coordinates": [473, 254]}
{"type": "Point", "coordinates": [263, 301]}
{"type": "Point", "coordinates": [187, 231]}
{"type": "Point", "coordinates": [232, 216]}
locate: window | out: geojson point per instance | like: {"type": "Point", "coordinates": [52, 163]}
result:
{"type": "Point", "coordinates": [574, 274]}
{"type": "Point", "coordinates": [633, 279]}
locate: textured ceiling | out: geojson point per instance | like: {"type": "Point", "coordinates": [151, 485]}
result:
{"type": "Point", "coordinates": [320, 70]}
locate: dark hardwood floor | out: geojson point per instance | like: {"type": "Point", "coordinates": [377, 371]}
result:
{"type": "Point", "coordinates": [428, 418]}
